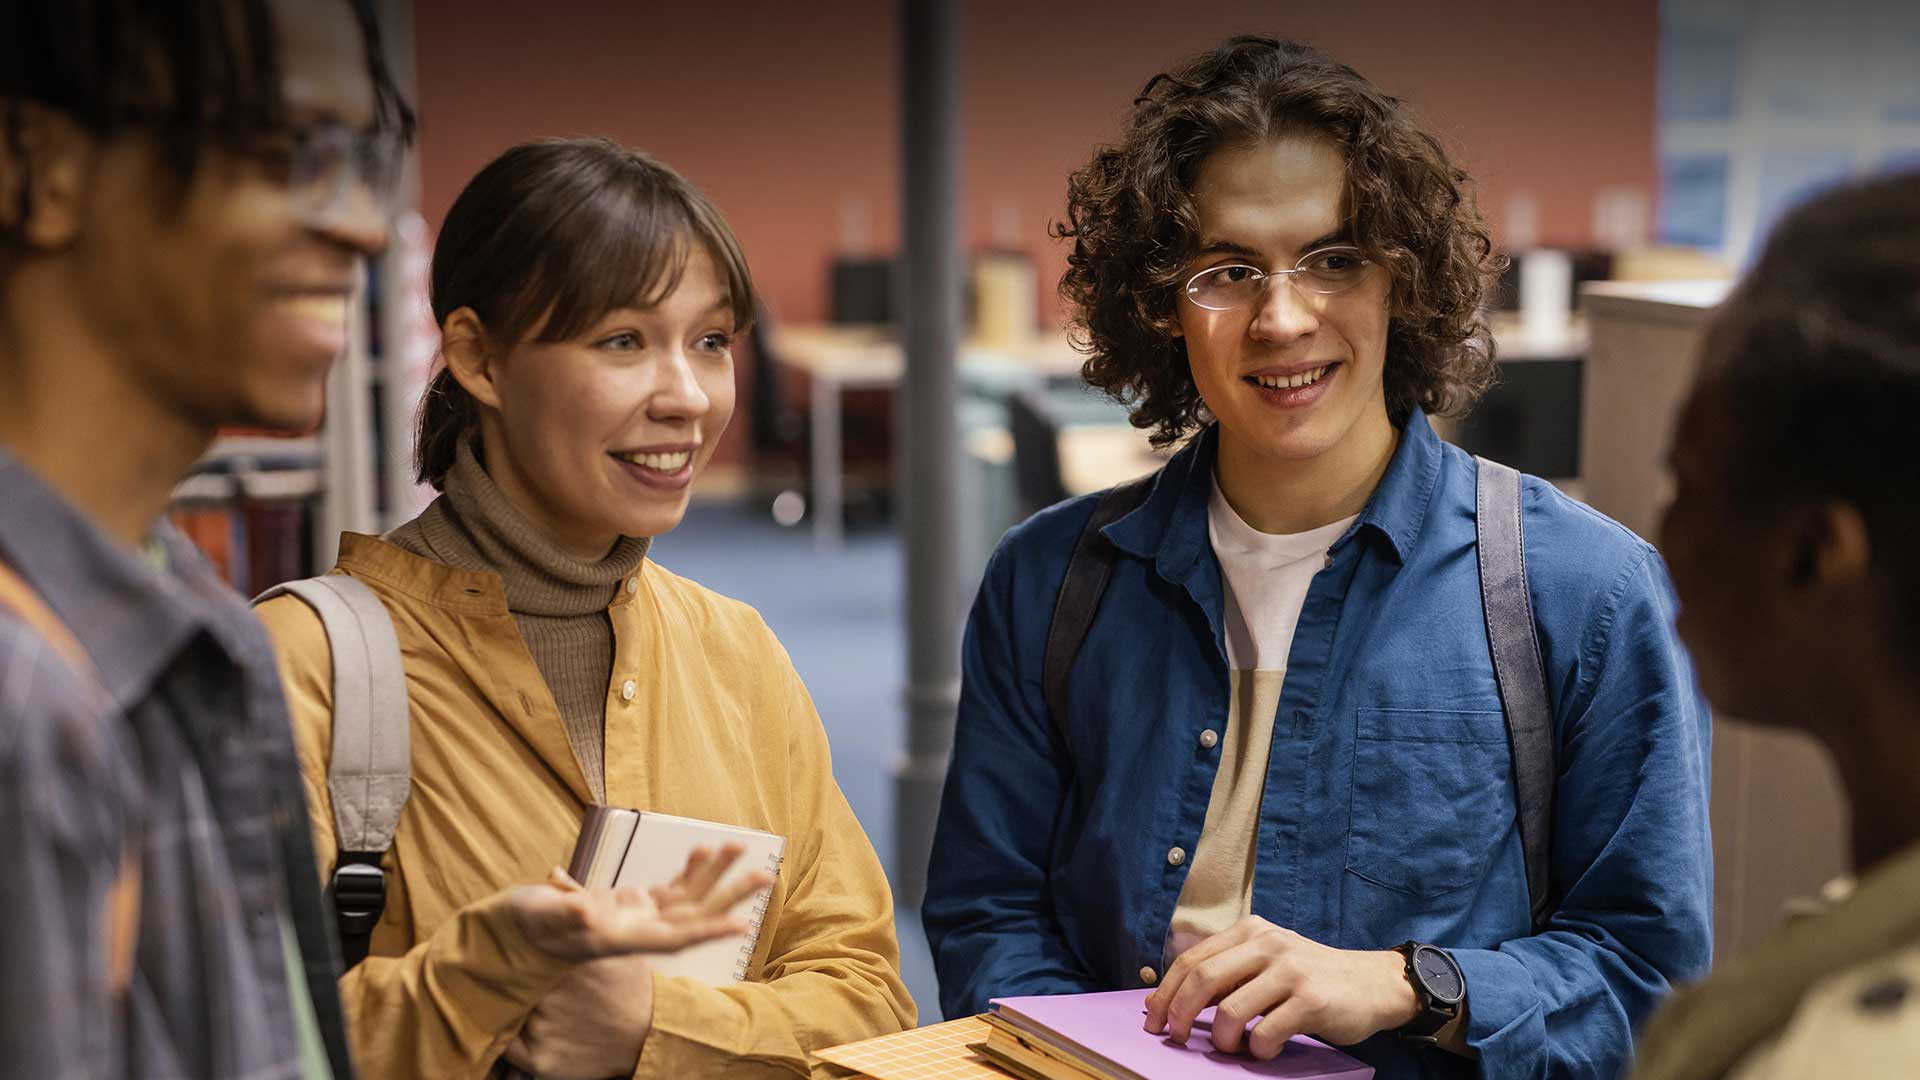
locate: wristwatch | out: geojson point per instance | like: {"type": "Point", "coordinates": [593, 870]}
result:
{"type": "Point", "coordinates": [1439, 986]}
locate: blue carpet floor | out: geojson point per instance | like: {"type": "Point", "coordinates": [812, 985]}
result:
{"type": "Point", "coordinates": [840, 617]}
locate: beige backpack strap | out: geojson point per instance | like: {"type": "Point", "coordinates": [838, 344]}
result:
{"type": "Point", "coordinates": [370, 770]}
{"type": "Point", "coordinates": [121, 918]}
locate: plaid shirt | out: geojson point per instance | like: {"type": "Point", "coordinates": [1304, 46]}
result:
{"type": "Point", "coordinates": [195, 764]}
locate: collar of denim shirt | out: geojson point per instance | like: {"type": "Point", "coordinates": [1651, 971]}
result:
{"type": "Point", "coordinates": [1170, 527]}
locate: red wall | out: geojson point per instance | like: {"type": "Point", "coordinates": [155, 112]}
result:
{"type": "Point", "coordinates": [782, 112]}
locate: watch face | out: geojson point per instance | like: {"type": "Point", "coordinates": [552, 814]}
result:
{"type": "Point", "coordinates": [1439, 975]}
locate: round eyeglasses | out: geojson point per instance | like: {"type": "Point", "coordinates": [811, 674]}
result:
{"type": "Point", "coordinates": [332, 159]}
{"type": "Point", "coordinates": [326, 167]}
{"type": "Point", "coordinates": [1325, 271]}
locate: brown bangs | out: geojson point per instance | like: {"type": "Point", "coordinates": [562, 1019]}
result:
{"type": "Point", "coordinates": [627, 246]}
{"type": "Point", "coordinates": [552, 236]}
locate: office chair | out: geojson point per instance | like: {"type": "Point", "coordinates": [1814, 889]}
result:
{"type": "Point", "coordinates": [1036, 451]}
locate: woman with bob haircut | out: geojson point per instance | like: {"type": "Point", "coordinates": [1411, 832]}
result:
{"type": "Point", "coordinates": [588, 298]}
{"type": "Point", "coordinates": [1280, 774]}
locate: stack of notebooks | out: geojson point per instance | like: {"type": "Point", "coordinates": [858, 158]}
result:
{"type": "Point", "coordinates": [1099, 1037]}
{"type": "Point", "coordinates": [638, 847]}
{"type": "Point", "coordinates": [1078, 1037]}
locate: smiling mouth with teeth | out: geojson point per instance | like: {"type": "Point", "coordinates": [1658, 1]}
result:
{"type": "Point", "coordinates": [329, 308]}
{"type": "Point", "coordinates": [663, 463]}
{"type": "Point", "coordinates": [1291, 382]}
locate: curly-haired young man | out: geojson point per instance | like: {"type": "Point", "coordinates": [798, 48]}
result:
{"type": "Point", "coordinates": [1285, 775]}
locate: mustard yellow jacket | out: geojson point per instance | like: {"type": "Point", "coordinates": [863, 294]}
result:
{"type": "Point", "coordinates": [716, 725]}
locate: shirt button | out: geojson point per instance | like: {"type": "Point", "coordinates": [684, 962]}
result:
{"type": "Point", "coordinates": [627, 690]}
{"type": "Point", "coordinates": [1176, 856]}
{"type": "Point", "coordinates": [1149, 976]}
{"type": "Point", "coordinates": [1209, 738]}
{"type": "Point", "coordinates": [633, 585]}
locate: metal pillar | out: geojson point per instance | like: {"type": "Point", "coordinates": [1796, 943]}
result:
{"type": "Point", "coordinates": [929, 430]}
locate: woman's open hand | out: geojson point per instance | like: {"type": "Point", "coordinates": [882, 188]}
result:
{"type": "Point", "coordinates": [564, 920]}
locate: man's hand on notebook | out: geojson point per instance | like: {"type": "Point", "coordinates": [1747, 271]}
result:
{"type": "Point", "coordinates": [572, 923]}
{"type": "Point", "coordinates": [1296, 986]}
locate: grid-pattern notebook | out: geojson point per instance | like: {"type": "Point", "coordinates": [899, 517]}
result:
{"type": "Point", "coordinates": [939, 1052]}
{"type": "Point", "coordinates": [643, 848]}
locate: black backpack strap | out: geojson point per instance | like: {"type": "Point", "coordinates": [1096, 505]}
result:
{"type": "Point", "coordinates": [1518, 670]}
{"type": "Point", "coordinates": [1087, 572]}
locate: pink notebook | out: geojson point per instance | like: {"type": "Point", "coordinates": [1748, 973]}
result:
{"type": "Point", "coordinates": [1105, 1030]}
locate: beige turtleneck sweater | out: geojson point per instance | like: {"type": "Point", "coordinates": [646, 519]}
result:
{"type": "Point", "coordinates": [558, 601]}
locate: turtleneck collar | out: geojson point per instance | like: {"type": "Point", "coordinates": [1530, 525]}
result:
{"type": "Point", "coordinates": [473, 526]}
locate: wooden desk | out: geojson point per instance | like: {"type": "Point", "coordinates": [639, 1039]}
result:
{"type": "Point", "coordinates": [870, 355]}
{"type": "Point", "coordinates": [836, 359]}
{"type": "Point", "coordinates": [1098, 456]}
{"type": "Point", "coordinates": [1515, 340]}
{"type": "Point", "coordinates": [1092, 456]}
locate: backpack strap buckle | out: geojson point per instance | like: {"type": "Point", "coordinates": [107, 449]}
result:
{"type": "Point", "coordinates": [359, 892]}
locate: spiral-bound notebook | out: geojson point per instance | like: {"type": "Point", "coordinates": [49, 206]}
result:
{"type": "Point", "coordinates": [640, 847]}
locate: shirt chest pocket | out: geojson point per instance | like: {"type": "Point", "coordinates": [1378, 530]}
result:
{"type": "Point", "coordinates": [1432, 798]}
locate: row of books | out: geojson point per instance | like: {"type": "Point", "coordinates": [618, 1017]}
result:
{"type": "Point", "coordinates": [249, 506]}
{"type": "Point", "coordinates": [255, 543]}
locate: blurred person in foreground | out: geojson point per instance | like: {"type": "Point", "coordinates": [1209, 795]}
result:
{"type": "Point", "coordinates": [1794, 538]}
{"type": "Point", "coordinates": [1285, 772]}
{"type": "Point", "coordinates": [186, 191]}
{"type": "Point", "coordinates": [588, 299]}
{"type": "Point", "coordinates": [176, 256]}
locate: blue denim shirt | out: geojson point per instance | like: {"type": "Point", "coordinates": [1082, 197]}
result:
{"type": "Point", "coordinates": [1388, 812]}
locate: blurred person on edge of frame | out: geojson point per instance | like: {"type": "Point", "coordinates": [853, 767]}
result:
{"type": "Point", "coordinates": [1794, 539]}
{"type": "Point", "coordinates": [185, 192]}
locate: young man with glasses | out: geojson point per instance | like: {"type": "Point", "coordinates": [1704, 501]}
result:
{"type": "Point", "coordinates": [1282, 773]}
{"type": "Point", "coordinates": [186, 191]}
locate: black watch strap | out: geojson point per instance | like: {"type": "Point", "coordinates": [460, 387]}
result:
{"type": "Point", "coordinates": [1435, 1013]}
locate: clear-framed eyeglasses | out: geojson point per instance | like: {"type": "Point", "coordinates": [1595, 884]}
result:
{"type": "Point", "coordinates": [1324, 271]}
{"type": "Point", "coordinates": [324, 164]}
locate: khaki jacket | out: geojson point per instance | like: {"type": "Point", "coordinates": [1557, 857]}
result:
{"type": "Point", "coordinates": [706, 718]}
{"type": "Point", "coordinates": [1822, 996]}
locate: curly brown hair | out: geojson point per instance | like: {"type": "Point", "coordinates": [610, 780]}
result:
{"type": "Point", "coordinates": [1131, 218]}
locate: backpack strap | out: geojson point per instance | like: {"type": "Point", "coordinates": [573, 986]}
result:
{"type": "Point", "coordinates": [1518, 670]}
{"type": "Point", "coordinates": [370, 769]}
{"type": "Point", "coordinates": [1079, 599]}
